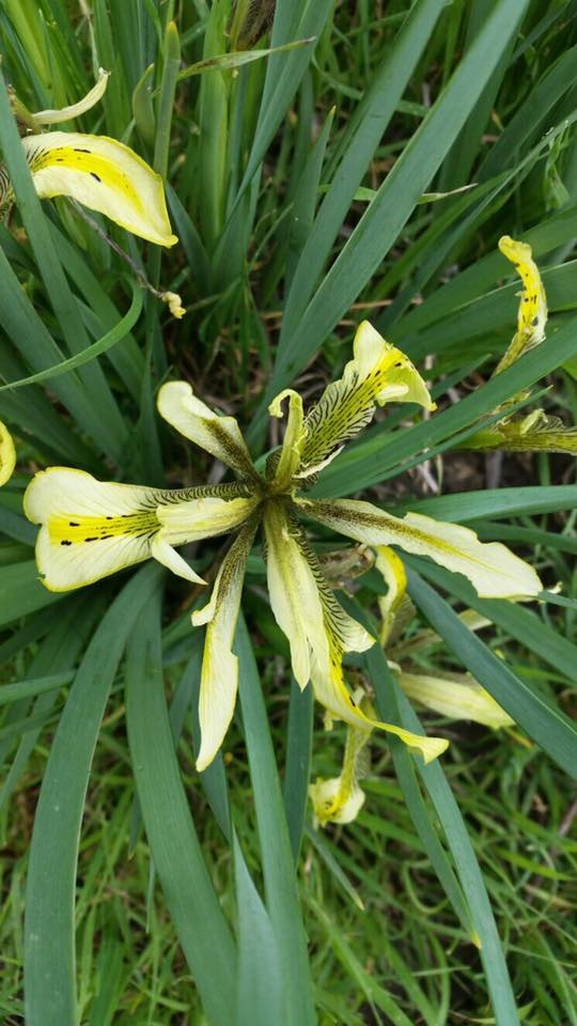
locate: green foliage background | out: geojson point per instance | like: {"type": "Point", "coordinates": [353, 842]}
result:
{"type": "Point", "coordinates": [297, 185]}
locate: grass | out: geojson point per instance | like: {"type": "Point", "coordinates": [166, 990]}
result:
{"type": "Point", "coordinates": [297, 183]}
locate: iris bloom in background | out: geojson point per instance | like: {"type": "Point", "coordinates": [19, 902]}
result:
{"type": "Point", "coordinates": [7, 454]}
{"type": "Point", "coordinates": [535, 431]}
{"type": "Point", "coordinates": [89, 529]}
{"type": "Point", "coordinates": [100, 173]}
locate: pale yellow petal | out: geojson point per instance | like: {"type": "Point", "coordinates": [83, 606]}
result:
{"type": "Point", "coordinates": [104, 175]}
{"type": "Point", "coordinates": [7, 454]}
{"type": "Point", "coordinates": [219, 674]}
{"type": "Point", "coordinates": [89, 529]}
{"type": "Point", "coordinates": [532, 314]}
{"type": "Point", "coordinates": [204, 517]}
{"type": "Point", "coordinates": [164, 553]}
{"type": "Point", "coordinates": [393, 571]}
{"type": "Point", "coordinates": [331, 691]}
{"type": "Point", "coordinates": [493, 570]}
{"type": "Point", "coordinates": [54, 117]}
{"type": "Point", "coordinates": [290, 454]}
{"type": "Point", "coordinates": [220, 436]}
{"type": "Point", "coordinates": [460, 699]}
{"type": "Point", "coordinates": [378, 373]}
{"type": "Point", "coordinates": [293, 591]}
{"type": "Point", "coordinates": [333, 805]}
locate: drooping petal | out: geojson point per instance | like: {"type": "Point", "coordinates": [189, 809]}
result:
{"type": "Point", "coordinates": [219, 675]}
{"type": "Point", "coordinates": [339, 800]}
{"type": "Point", "coordinates": [90, 529]}
{"type": "Point", "coordinates": [334, 803]}
{"type": "Point", "coordinates": [290, 454]}
{"type": "Point", "coordinates": [378, 373]}
{"type": "Point", "coordinates": [331, 691]}
{"type": "Point", "coordinates": [493, 570]}
{"type": "Point", "coordinates": [318, 628]}
{"type": "Point", "coordinates": [163, 552]}
{"type": "Point", "coordinates": [54, 117]}
{"type": "Point", "coordinates": [104, 175]}
{"type": "Point", "coordinates": [7, 454]}
{"type": "Point", "coordinates": [220, 436]}
{"type": "Point", "coordinates": [460, 698]}
{"type": "Point", "coordinates": [532, 315]}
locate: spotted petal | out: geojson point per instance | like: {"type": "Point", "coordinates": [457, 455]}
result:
{"type": "Point", "coordinates": [493, 570]}
{"type": "Point", "coordinates": [104, 175]}
{"type": "Point", "coordinates": [532, 314]}
{"type": "Point", "coordinates": [219, 675]}
{"type": "Point", "coordinates": [378, 373]}
{"type": "Point", "coordinates": [7, 454]}
{"type": "Point", "coordinates": [90, 529]}
{"type": "Point", "coordinates": [220, 436]}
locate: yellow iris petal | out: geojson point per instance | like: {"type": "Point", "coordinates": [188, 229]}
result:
{"type": "Point", "coordinates": [88, 529]}
{"type": "Point", "coordinates": [493, 570]}
{"type": "Point", "coordinates": [7, 454]}
{"type": "Point", "coordinates": [104, 175]}
{"type": "Point", "coordinates": [219, 674]}
{"type": "Point", "coordinates": [220, 436]}
{"type": "Point", "coordinates": [378, 373]}
{"type": "Point", "coordinates": [461, 699]}
{"type": "Point", "coordinates": [532, 315]}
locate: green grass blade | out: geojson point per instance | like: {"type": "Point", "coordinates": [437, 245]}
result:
{"type": "Point", "coordinates": [178, 859]}
{"type": "Point", "coordinates": [49, 926]}
{"type": "Point", "coordinates": [361, 140]}
{"type": "Point", "coordinates": [110, 339]}
{"type": "Point", "coordinates": [298, 763]}
{"type": "Point", "coordinates": [502, 502]}
{"type": "Point", "coordinates": [33, 686]}
{"type": "Point", "coordinates": [532, 710]}
{"type": "Point", "coordinates": [22, 592]}
{"type": "Point", "coordinates": [396, 199]}
{"type": "Point", "coordinates": [294, 19]}
{"type": "Point", "coordinates": [281, 896]}
{"type": "Point", "coordinates": [395, 708]}
{"type": "Point", "coordinates": [516, 621]}
{"type": "Point", "coordinates": [260, 990]}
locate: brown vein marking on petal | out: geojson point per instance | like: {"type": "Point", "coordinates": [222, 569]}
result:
{"type": "Point", "coordinates": [234, 452]}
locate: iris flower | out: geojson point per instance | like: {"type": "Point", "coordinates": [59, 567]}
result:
{"type": "Point", "coordinates": [537, 431]}
{"type": "Point", "coordinates": [100, 173]}
{"type": "Point", "coordinates": [90, 529]}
